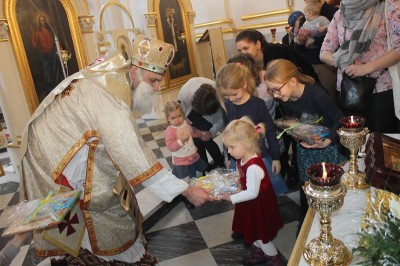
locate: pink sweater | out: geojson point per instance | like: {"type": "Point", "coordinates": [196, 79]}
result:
{"type": "Point", "coordinates": [336, 37]}
{"type": "Point", "coordinates": [182, 153]}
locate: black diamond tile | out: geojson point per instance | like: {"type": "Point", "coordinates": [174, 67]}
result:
{"type": "Point", "coordinates": [158, 153]}
{"type": "Point", "coordinates": [141, 125]}
{"type": "Point", "coordinates": [147, 137]}
{"type": "Point", "coordinates": [231, 253]}
{"type": "Point", "coordinates": [175, 241]}
{"type": "Point", "coordinates": [211, 208]}
{"type": "Point", "coordinates": [157, 128]}
{"type": "Point", "coordinates": [8, 188]}
{"type": "Point", "coordinates": [161, 142]}
{"type": "Point", "coordinates": [31, 258]}
{"type": "Point", "coordinates": [4, 240]}
{"type": "Point", "coordinates": [5, 161]}
{"type": "Point", "coordinates": [288, 209]}
{"type": "Point", "coordinates": [169, 160]}
{"type": "Point", "coordinates": [14, 200]}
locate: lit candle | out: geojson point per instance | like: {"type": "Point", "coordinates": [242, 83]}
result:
{"type": "Point", "coordinates": [324, 173]}
{"type": "Point", "coordinates": [352, 121]}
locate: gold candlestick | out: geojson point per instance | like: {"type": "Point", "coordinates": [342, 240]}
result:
{"type": "Point", "coordinates": [352, 135]}
{"type": "Point", "coordinates": [273, 34]}
{"type": "Point", "coordinates": [325, 194]}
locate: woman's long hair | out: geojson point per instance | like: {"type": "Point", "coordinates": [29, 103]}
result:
{"type": "Point", "coordinates": [253, 36]}
{"type": "Point", "coordinates": [282, 70]}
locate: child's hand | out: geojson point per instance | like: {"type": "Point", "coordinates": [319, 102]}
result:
{"type": "Point", "coordinates": [319, 144]}
{"type": "Point", "coordinates": [225, 196]}
{"type": "Point", "coordinates": [184, 136]}
{"type": "Point", "coordinates": [276, 167]}
{"type": "Point", "coordinates": [205, 136]}
{"type": "Point", "coordinates": [322, 28]}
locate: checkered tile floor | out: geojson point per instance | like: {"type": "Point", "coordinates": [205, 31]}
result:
{"type": "Point", "coordinates": [178, 234]}
{"type": "Point", "coordinates": [153, 134]}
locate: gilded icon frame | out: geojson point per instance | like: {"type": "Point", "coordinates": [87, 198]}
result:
{"type": "Point", "coordinates": [123, 45]}
{"type": "Point", "coordinates": [183, 66]}
{"type": "Point", "coordinates": [68, 20]}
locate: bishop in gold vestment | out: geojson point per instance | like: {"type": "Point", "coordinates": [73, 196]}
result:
{"type": "Point", "coordinates": [83, 136]}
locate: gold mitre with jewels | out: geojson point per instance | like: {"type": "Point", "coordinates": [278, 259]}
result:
{"type": "Point", "coordinates": [152, 54]}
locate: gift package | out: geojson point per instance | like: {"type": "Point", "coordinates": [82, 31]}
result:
{"type": "Point", "coordinates": [41, 213]}
{"type": "Point", "coordinates": [218, 181]}
{"type": "Point", "coordinates": [304, 129]}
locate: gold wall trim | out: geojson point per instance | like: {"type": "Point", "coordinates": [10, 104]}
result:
{"type": "Point", "coordinates": [87, 7]}
{"type": "Point", "coordinates": [111, 3]}
{"type": "Point", "coordinates": [224, 31]}
{"type": "Point", "coordinates": [151, 19]}
{"type": "Point", "coordinates": [213, 23]}
{"type": "Point", "coordinates": [267, 14]}
{"type": "Point", "coordinates": [253, 26]}
{"type": "Point", "coordinates": [86, 22]}
{"type": "Point", "coordinates": [263, 25]}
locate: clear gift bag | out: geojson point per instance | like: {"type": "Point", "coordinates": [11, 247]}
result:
{"type": "Point", "coordinates": [306, 128]}
{"type": "Point", "coordinates": [218, 181]}
{"type": "Point", "coordinates": [40, 213]}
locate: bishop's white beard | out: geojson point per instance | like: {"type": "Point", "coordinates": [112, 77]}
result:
{"type": "Point", "coordinates": [144, 98]}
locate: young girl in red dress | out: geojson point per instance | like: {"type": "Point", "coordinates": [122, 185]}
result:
{"type": "Point", "coordinates": [256, 209]}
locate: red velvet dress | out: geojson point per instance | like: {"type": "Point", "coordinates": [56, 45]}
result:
{"type": "Point", "coordinates": [257, 219]}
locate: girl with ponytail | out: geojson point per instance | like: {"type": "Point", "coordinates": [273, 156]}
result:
{"type": "Point", "coordinates": [297, 94]}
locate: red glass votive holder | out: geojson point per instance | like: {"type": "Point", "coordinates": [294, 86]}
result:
{"type": "Point", "coordinates": [352, 121]}
{"type": "Point", "coordinates": [315, 174]}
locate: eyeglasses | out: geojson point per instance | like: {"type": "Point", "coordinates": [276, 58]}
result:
{"type": "Point", "coordinates": [276, 91]}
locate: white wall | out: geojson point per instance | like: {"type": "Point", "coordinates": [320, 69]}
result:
{"type": "Point", "coordinates": [211, 10]}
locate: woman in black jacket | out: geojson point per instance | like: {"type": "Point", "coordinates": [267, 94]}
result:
{"type": "Point", "coordinates": [253, 42]}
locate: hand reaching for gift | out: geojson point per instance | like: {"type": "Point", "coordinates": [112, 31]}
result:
{"type": "Point", "coordinates": [319, 144]}
{"type": "Point", "coordinates": [224, 196]}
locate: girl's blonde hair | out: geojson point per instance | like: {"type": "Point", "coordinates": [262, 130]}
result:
{"type": "Point", "coordinates": [234, 76]}
{"type": "Point", "coordinates": [171, 107]}
{"type": "Point", "coordinates": [248, 61]}
{"type": "Point", "coordinates": [245, 132]}
{"type": "Point", "coordinates": [282, 70]}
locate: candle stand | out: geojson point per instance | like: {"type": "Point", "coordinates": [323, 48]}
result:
{"type": "Point", "coordinates": [352, 135]}
{"type": "Point", "coordinates": [325, 196]}
{"type": "Point", "coordinates": [273, 34]}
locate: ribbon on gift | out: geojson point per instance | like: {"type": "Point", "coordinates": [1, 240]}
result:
{"type": "Point", "coordinates": [286, 129]}
{"type": "Point", "coordinates": [41, 204]}
{"type": "Point", "coordinates": [297, 124]}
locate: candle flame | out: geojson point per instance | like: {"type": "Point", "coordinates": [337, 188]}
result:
{"type": "Point", "coordinates": [351, 119]}
{"type": "Point", "coordinates": [324, 173]}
